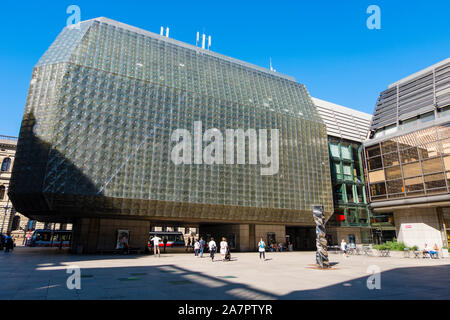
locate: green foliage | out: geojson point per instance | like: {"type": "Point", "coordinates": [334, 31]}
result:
{"type": "Point", "coordinates": [415, 248]}
{"type": "Point", "coordinates": [391, 245]}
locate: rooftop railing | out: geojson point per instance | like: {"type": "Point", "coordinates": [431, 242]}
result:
{"type": "Point", "coordinates": [2, 137]}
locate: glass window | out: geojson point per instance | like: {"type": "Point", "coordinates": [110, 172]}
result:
{"type": "Point", "coordinates": [394, 186]}
{"type": "Point", "coordinates": [426, 117]}
{"type": "Point", "coordinates": [414, 184]}
{"type": "Point", "coordinates": [362, 216]}
{"type": "Point", "coordinates": [412, 170]}
{"type": "Point", "coordinates": [2, 192]}
{"type": "Point", "coordinates": [377, 189]}
{"type": "Point", "coordinates": [432, 165]}
{"type": "Point", "coordinates": [409, 123]}
{"type": "Point", "coordinates": [376, 176]}
{"type": "Point", "coordinates": [359, 190]}
{"type": "Point", "coordinates": [389, 146]}
{"type": "Point", "coordinates": [393, 173]}
{"type": "Point", "coordinates": [375, 163]}
{"type": "Point", "coordinates": [349, 190]}
{"type": "Point", "coordinates": [390, 159]}
{"type": "Point", "coordinates": [334, 149]}
{"type": "Point", "coordinates": [338, 192]}
{"type": "Point", "coordinates": [409, 155]}
{"type": "Point", "coordinates": [434, 181]}
{"type": "Point", "coordinates": [373, 151]}
{"type": "Point", "coordinates": [347, 169]}
{"type": "Point", "coordinates": [351, 216]}
{"type": "Point", "coordinates": [345, 148]}
{"type": "Point", "coordinates": [390, 129]}
{"type": "Point", "coordinates": [429, 150]}
{"type": "Point", "coordinates": [445, 147]}
{"type": "Point", "coordinates": [6, 164]}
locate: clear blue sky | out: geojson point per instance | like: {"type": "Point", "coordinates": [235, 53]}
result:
{"type": "Point", "coordinates": [323, 44]}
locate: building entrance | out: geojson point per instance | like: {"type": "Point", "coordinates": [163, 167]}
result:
{"type": "Point", "coordinates": [302, 238]}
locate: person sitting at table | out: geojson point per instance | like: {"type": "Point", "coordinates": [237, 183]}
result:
{"type": "Point", "coordinates": [426, 252]}
{"type": "Point", "coordinates": [434, 252]}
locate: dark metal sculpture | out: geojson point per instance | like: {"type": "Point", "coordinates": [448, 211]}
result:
{"type": "Point", "coordinates": [321, 240]}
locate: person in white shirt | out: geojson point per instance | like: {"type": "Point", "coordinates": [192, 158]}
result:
{"type": "Point", "coordinates": [212, 248]}
{"type": "Point", "coordinates": [223, 248]}
{"type": "Point", "coordinates": [196, 247]}
{"type": "Point", "coordinates": [262, 249]}
{"type": "Point", "coordinates": [156, 241]}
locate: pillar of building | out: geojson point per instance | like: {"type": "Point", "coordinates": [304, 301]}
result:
{"type": "Point", "coordinates": [92, 235]}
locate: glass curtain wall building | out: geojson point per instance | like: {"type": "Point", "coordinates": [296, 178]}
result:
{"type": "Point", "coordinates": [408, 156]}
{"type": "Point", "coordinates": [95, 138]}
{"type": "Point", "coordinates": [347, 129]}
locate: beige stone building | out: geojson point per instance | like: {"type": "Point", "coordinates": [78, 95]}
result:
{"type": "Point", "coordinates": [10, 220]}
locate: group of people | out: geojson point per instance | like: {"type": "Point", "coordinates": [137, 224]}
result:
{"type": "Point", "coordinates": [276, 247]}
{"type": "Point", "coordinates": [6, 242]}
{"type": "Point", "coordinates": [431, 253]}
{"type": "Point", "coordinates": [224, 248]}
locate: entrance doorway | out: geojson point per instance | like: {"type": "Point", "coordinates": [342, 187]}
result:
{"type": "Point", "coordinates": [302, 238]}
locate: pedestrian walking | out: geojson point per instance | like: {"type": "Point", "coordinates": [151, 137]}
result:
{"type": "Point", "coordinates": [165, 244]}
{"type": "Point", "coordinates": [262, 249]}
{"type": "Point", "coordinates": [156, 240]}
{"type": "Point", "coordinates": [202, 246]}
{"type": "Point", "coordinates": [9, 243]}
{"type": "Point", "coordinates": [189, 243]}
{"type": "Point", "coordinates": [212, 248]}
{"type": "Point", "coordinates": [196, 248]}
{"type": "Point", "coordinates": [344, 247]}
{"type": "Point", "coordinates": [223, 248]}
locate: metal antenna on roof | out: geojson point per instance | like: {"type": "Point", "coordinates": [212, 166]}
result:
{"type": "Point", "coordinates": [271, 68]}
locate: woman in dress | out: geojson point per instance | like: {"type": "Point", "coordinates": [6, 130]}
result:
{"type": "Point", "coordinates": [223, 248]}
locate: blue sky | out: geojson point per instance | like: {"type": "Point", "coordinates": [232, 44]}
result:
{"type": "Point", "coordinates": [323, 44]}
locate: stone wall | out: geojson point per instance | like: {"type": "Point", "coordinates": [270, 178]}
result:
{"type": "Point", "coordinates": [91, 235]}
{"type": "Point", "coordinates": [417, 226]}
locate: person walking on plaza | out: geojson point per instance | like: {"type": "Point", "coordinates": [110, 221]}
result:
{"type": "Point", "coordinates": [156, 249]}
{"type": "Point", "coordinates": [165, 244]}
{"type": "Point", "coordinates": [190, 243]}
{"type": "Point", "coordinates": [196, 247]}
{"type": "Point", "coordinates": [202, 246]}
{"type": "Point", "coordinates": [344, 247]}
{"type": "Point", "coordinates": [212, 248]}
{"type": "Point", "coordinates": [9, 243]}
{"type": "Point", "coordinates": [262, 249]}
{"type": "Point", "coordinates": [223, 248]}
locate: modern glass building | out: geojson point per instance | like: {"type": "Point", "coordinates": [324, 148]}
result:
{"type": "Point", "coordinates": [347, 129]}
{"type": "Point", "coordinates": [408, 157]}
{"type": "Point", "coordinates": [95, 142]}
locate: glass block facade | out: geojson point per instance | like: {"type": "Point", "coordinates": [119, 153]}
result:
{"type": "Point", "coordinates": [102, 104]}
{"type": "Point", "coordinates": [411, 165]}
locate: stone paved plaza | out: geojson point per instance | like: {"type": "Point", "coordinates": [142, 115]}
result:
{"type": "Point", "coordinates": [36, 273]}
